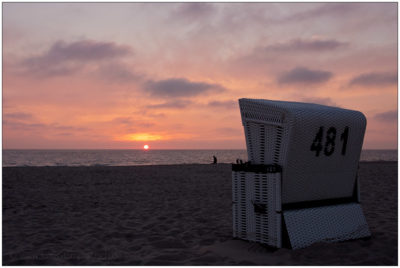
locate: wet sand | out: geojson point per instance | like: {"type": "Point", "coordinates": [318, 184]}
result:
{"type": "Point", "coordinates": [166, 215]}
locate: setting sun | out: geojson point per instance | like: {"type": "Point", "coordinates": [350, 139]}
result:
{"type": "Point", "coordinates": [146, 147]}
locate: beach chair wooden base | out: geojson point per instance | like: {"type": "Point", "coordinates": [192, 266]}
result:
{"type": "Point", "coordinates": [258, 214]}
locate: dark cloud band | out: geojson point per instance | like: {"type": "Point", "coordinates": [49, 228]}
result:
{"type": "Point", "coordinates": [174, 104]}
{"type": "Point", "coordinates": [304, 75]}
{"type": "Point", "coordinates": [298, 45]}
{"type": "Point", "coordinates": [389, 116]}
{"type": "Point", "coordinates": [65, 58]}
{"type": "Point", "coordinates": [229, 104]}
{"type": "Point", "coordinates": [374, 79]}
{"type": "Point", "coordinates": [179, 87]}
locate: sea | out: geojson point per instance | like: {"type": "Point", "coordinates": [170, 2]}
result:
{"type": "Point", "coordinates": [141, 157]}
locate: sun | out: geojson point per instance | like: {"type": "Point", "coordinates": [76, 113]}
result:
{"type": "Point", "coordinates": [146, 147]}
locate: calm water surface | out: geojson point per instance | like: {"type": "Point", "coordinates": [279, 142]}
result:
{"type": "Point", "coordinates": [141, 157]}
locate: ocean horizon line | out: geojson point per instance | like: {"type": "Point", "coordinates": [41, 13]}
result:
{"type": "Point", "coordinates": [118, 157]}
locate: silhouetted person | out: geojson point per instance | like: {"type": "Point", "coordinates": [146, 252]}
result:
{"type": "Point", "coordinates": [215, 159]}
{"type": "Point", "coordinates": [239, 161]}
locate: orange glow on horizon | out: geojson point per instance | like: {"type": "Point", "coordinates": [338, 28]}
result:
{"type": "Point", "coordinates": [141, 137]}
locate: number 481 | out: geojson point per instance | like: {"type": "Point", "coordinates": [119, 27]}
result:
{"type": "Point", "coordinates": [329, 146]}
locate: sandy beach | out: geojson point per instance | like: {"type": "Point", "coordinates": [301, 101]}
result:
{"type": "Point", "coordinates": [166, 215]}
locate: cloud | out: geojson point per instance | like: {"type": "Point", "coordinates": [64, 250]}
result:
{"type": "Point", "coordinates": [304, 75]}
{"type": "Point", "coordinates": [267, 14]}
{"type": "Point", "coordinates": [179, 87]}
{"type": "Point", "coordinates": [175, 104]}
{"type": "Point", "coordinates": [117, 72]}
{"type": "Point", "coordinates": [328, 9]}
{"type": "Point", "coordinates": [65, 134]}
{"type": "Point", "coordinates": [57, 126]}
{"type": "Point", "coordinates": [301, 45]}
{"type": "Point", "coordinates": [366, 13]}
{"type": "Point", "coordinates": [128, 121]}
{"type": "Point", "coordinates": [152, 114]}
{"type": "Point", "coordinates": [39, 126]}
{"type": "Point", "coordinates": [85, 50]}
{"type": "Point", "coordinates": [323, 101]}
{"type": "Point", "coordinates": [193, 11]}
{"type": "Point", "coordinates": [374, 79]}
{"type": "Point", "coordinates": [124, 120]}
{"type": "Point", "coordinates": [28, 122]}
{"type": "Point", "coordinates": [228, 104]}
{"type": "Point", "coordinates": [65, 58]}
{"type": "Point", "coordinates": [389, 116]}
{"type": "Point", "coordinates": [21, 125]}
{"type": "Point", "coordinates": [18, 116]}
{"type": "Point", "coordinates": [280, 53]}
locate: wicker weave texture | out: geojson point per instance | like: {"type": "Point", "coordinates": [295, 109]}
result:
{"type": "Point", "coordinates": [256, 203]}
{"type": "Point", "coordinates": [284, 132]}
{"type": "Point", "coordinates": [325, 224]}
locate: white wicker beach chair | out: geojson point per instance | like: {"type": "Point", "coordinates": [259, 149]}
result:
{"type": "Point", "coordinates": [301, 184]}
